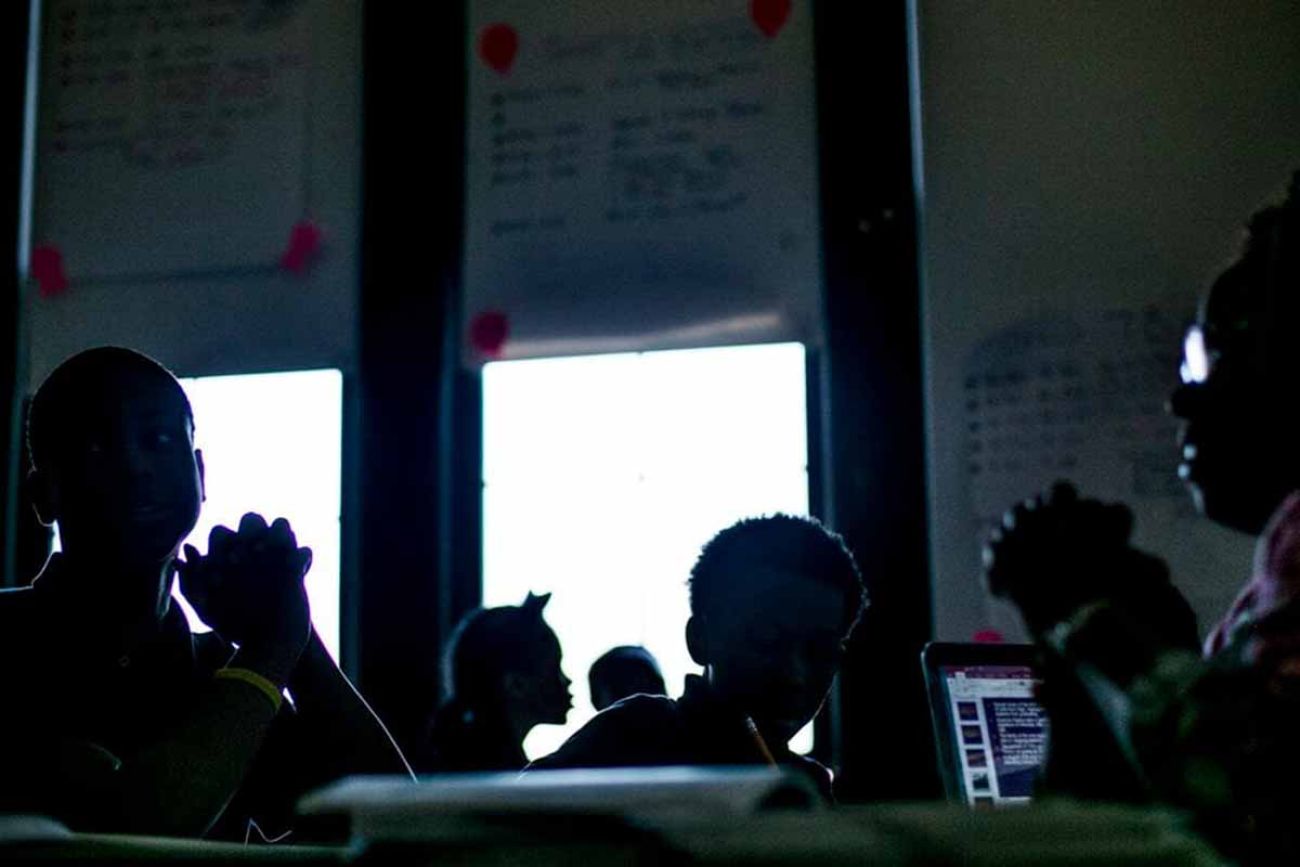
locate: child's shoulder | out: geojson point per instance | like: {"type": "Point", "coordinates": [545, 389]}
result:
{"type": "Point", "coordinates": [640, 711]}
{"type": "Point", "coordinates": [639, 730]}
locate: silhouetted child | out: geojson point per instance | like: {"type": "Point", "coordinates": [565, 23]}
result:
{"type": "Point", "coordinates": [115, 716]}
{"type": "Point", "coordinates": [1214, 736]}
{"type": "Point", "coordinates": [502, 677]}
{"type": "Point", "coordinates": [622, 672]}
{"type": "Point", "coordinates": [773, 600]}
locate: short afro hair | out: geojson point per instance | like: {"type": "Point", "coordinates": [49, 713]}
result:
{"type": "Point", "coordinates": [803, 546]}
{"type": "Point", "coordinates": [55, 405]}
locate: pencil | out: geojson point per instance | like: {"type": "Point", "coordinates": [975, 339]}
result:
{"type": "Point", "coordinates": [757, 736]}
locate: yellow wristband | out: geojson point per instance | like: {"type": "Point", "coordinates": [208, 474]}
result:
{"type": "Point", "coordinates": [252, 678]}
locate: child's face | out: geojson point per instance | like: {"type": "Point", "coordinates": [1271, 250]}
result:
{"type": "Point", "coordinates": [546, 692]}
{"type": "Point", "coordinates": [777, 648]}
{"type": "Point", "coordinates": [126, 482]}
{"type": "Point", "coordinates": [1239, 431]}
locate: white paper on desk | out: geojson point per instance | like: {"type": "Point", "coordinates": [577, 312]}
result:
{"type": "Point", "coordinates": [392, 808]}
{"type": "Point", "coordinates": [23, 828]}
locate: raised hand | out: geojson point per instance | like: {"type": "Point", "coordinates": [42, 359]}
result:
{"type": "Point", "coordinates": [249, 586]}
{"type": "Point", "coordinates": [1056, 553]}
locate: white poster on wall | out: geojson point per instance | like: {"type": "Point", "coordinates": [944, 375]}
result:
{"type": "Point", "coordinates": [639, 176]}
{"type": "Point", "coordinates": [1087, 170]}
{"type": "Point", "coordinates": [172, 136]}
{"type": "Point", "coordinates": [1080, 396]}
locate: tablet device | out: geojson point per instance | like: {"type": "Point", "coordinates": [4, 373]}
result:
{"type": "Point", "coordinates": [990, 731]}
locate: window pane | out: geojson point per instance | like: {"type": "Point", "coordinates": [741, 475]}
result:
{"type": "Point", "coordinates": [604, 475]}
{"type": "Point", "coordinates": [273, 443]}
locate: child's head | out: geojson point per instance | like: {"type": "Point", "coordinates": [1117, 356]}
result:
{"type": "Point", "coordinates": [506, 661]}
{"type": "Point", "coordinates": [1239, 376]}
{"type": "Point", "coordinates": [772, 601]}
{"type": "Point", "coordinates": [621, 672]}
{"type": "Point", "coordinates": [111, 435]}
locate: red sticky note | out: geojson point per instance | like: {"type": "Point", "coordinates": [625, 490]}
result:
{"type": "Point", "coordinates": [488, 332]}
{"type": "Point", "coordinates": [304, 243]}
{"type": "Point", "coordinates": [770, 15]}
{"type": "Point", "coordinates": [497, 46]}
{"type": "Point", "coordinates": [988, 636]}
{"type": "Point", "coordinates": [47, 270]}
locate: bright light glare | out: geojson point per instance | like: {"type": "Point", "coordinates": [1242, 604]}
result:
{"type": "Point", "coordinates": [604, 475]}
{"type": "Point", "coordinates": [273, 443]}
{"type": "Point", "coordinates": [1195, 369]}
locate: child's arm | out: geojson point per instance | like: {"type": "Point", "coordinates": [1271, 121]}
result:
{"type": "Point", "coordinates": [347, 736]}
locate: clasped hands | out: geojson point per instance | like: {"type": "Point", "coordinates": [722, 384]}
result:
{"type": "Point", "coordinates": [249, 589]}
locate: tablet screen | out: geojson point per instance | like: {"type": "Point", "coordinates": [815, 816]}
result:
{"type": "Point", "coordinates": [998, 731]}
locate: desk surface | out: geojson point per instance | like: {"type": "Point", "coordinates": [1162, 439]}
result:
{"type": "Point", "coordinates": [1059, 833]}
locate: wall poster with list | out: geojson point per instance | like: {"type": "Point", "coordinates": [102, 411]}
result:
{"type": "Point", "coordinates": [171, 135]}
{"type": "Point", "coordinates": [640, 176]}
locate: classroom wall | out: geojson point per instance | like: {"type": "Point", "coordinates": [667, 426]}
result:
{"type": "Point", "coordinates": [1085, 169]}
{"type": "Point", "coordinates": [235, 310]}
{"type": "Point", "coordinates": [13, 94]}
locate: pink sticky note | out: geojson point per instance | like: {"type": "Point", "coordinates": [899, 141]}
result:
{"type": "Point", "coordinates": [47, 270]}
{"type": "Point", "coordinates": [488, 332]}
{"type": "Point", "coordinates": [304, 243]}
{"type": "Point", "coordinates": [770, 15]}
{"type": "Point", "coordinates": [988, 636]}
{"type": "Point", "coordinates": [497, 46]}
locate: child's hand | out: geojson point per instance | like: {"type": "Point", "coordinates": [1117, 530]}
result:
{"type": "Point", "coordinates": [249, 586]}
{"type": "Point", "coordinates": [1057, 552]}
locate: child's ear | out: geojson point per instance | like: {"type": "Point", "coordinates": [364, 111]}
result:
{"type": "Point", "coordinates": [41, 491]}
{"type": "Point", "coordinates": [696, 643]}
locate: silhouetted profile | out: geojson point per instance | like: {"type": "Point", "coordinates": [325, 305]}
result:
{"type": "Point", "coordinates": [1216, 736]}
{"type": "Point", "coordinates": [502, 677]}
{"type": "Point", "coordinates": [624, 671]}
{"type": "Point", "coordinates": [116, 716]}
{"type": "Point", "coordinates": [773, 600]}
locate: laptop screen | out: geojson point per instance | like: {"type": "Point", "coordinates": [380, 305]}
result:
{"type": "Point", "coordinates": [997, 731]}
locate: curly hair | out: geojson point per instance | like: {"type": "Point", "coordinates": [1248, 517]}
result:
{"type": "Point", "coordinates": [100, 371]}
{"type": "Point", "coordinates": [1272, 231]}
{"type": "Point", "coordinates": [1261, 288]}
{"type": "Point", "coordinates": [801, 546]}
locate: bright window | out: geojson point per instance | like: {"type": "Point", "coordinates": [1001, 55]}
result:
{"type": "Point", "coordinates": [604, 475]}
{"type": "Point", "coordinates": [273, 443]}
